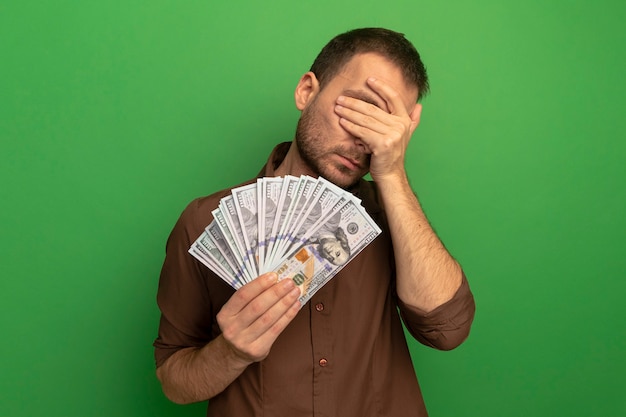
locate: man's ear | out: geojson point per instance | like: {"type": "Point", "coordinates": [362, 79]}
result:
{"type": "Point", "coordinates": [307, 88]}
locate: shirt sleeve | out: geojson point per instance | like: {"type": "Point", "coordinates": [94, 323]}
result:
{"type": "Point", "coordinates": [447, 326]}
{"type": "Point", "coordinates": [185, 295]}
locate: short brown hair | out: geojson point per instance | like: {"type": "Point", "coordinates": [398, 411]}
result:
{"type": "Point", "coordinates": [392, 45]}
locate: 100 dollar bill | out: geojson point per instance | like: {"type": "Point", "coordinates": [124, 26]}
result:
{"type": "Point", "coordinates": [327, 248]}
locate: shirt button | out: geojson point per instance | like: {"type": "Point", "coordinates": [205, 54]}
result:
{"type": "Point", "coordinates": [323, 362]}
{"type": "Point", "coordinates": [319, 306]}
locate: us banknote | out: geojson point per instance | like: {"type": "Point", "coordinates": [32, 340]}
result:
{"type": "Point", "coordinates": [303, 228]}
{"type": "Point", "coordinates": [327, 248]}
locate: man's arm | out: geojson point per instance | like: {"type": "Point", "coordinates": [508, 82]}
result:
{"type": "Point", "coordinates": [250, 322]}
{"type": "Point", "coordinates": [427, 275]}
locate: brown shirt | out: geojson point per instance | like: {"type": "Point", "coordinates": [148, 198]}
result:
{"type": "Point", "coordinates": [344, 354]}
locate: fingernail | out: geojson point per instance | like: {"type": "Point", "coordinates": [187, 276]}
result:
{"type": "Point", "coordinates": [341, 99]}
{"type": "Point", "coordinates": [271, 277]}
{"type": "Point", "coordinates": [288, 283]}
{"type": "Point", "coordinates": [296, 291]}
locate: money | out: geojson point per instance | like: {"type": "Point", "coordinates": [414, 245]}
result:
{"type": "Point", "coordinates": [271, 190]}
{"type": "Point", "coordinates": [305, 229]}
{"type": "Point", "coordinates": [245, 202]}
{"type": "Point", "coordinates": [327, 247]}
{"type": "Point", "coordinates": [285, 213]}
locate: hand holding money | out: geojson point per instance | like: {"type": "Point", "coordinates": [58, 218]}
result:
{"type": "Point", "coordinates": [256, 314]}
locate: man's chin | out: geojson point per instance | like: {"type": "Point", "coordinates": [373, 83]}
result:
{"type": "Point", "coordinates": [343, 180]}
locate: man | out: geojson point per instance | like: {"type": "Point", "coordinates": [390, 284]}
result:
{"type": "Point", "coordinates": [257, 351]}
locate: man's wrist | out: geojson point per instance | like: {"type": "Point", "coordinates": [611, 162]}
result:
{"type": "Point", "coordinates": [393, 181]}
{"type": "Point", "coordinates": [233, 358]}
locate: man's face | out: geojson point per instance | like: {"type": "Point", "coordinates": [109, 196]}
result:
{"type": "Point", "coordinates": [332, 250]}
{"type": "Point", "coordinates": [324, 145]}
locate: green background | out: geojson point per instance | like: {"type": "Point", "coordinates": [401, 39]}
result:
{"type": "Point", "coordinates": [115, 114]}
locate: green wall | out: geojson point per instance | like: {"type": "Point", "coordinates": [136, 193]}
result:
{"type": "Point", "coordinates": [114, 114]}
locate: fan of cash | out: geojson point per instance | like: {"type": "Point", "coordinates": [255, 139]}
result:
{"type": "Point", "coordinates": [303, 228]}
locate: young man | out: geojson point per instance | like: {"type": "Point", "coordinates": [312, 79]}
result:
{"type": "Point", "coordinates": [257, 351]}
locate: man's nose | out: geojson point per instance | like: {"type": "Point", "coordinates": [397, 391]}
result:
{"type": "Point", "coordinates": [362, 146]}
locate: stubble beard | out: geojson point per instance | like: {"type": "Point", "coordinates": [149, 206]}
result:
{"type": "Point", "coordinates": [311, 146]}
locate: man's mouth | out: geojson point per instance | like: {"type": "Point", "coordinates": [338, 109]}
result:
{"type": "Point", "coordinates": [350, 163]}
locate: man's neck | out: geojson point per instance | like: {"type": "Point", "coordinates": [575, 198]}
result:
{"type": "Point", "coordinates": [293, 164]}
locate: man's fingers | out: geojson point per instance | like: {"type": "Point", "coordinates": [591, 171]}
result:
{"type": "Point", "coordinates": [255, 345]}
{"type": "Point", "coordinates": [256, 301]}
{"type": "Point", "coordinates": [249, 292]}
{"type": "Point", "coordinates": [255, 328]}
{"type": "Point", "coordinates": [273, 321]}
{"type": "Point", "coordinates": [264, 310]}
{"type": "Point", "coordinates": [394, 100]}
{"type": "Point", "coordinates": [359, 118]}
